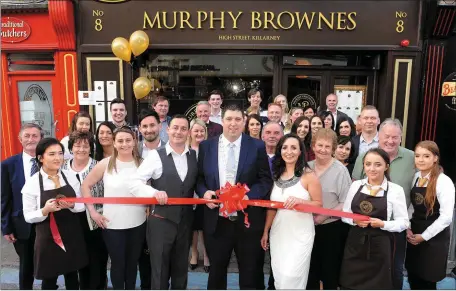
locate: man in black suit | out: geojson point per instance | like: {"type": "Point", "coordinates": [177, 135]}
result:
{"type": "Point", "coordinates": [15, 170]}
{"type": "Point", "coordinates": [203, 111]}
{"type": "Point", "coordinates": [235, 158]}
{"type": "Point", "coordinates": [331, 104]}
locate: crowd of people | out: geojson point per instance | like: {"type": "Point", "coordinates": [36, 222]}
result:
{"type": "Point", "coordinates": [291, 155]}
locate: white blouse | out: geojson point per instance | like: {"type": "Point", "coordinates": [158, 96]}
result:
{"type": "Point", "coordinates": [31, 195]}
{"type": "Point", "coordinates": [445, 196]}
{"type": "Point", "coordinates": [396, 205]}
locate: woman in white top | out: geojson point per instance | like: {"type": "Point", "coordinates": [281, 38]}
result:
{"type": "Point", "coordinates": [53, 256]}
{"type": "Point", "coordinates": [198, 133]}
{"type": "Point", "coordinates": [81, 122]}
{"type": "Point", "coordinates": [432, 197]}
{"type": "Point", "coordinates": [93, 276]}
{"type": "Point", "coordinates": [124, 226]}
{"type": "Point", "coordinates": [292, 233]}
{"type": "Point", "coordinates": [368, 261]}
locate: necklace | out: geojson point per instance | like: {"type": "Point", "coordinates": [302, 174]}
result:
{"type": "Point", "coordinates": [284, 184]}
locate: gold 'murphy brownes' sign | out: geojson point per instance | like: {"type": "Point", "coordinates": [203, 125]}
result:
{"type": "Point", "coordinates": [284, 20]}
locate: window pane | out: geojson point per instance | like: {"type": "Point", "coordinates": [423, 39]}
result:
{"type": "Point", "coordinates": [304, 91]}
{"type": "Point", "coordinates": [35, 100]}
{"type": "Point", "coordinates": [192, 77]}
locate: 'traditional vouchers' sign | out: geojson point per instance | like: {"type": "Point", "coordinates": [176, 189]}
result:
{"type": "Point", "coordinates": [253, 24]}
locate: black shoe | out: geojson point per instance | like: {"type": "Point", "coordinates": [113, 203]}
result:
{"type": "Point", "coordinates": [207, 269]}
{"type": "Point", "coordinates": [193, 266]}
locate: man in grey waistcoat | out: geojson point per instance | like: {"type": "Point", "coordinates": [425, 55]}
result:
{"type": "Point", "coordinates": [172, 171]}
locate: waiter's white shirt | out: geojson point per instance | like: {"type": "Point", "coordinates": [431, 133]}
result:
{"type": "Point", "coordinates": [31, 195]}
{"type": "Point", "coordinates": [445, 192]}
{"type": "Point", "coordinates": [152, 167]}
{"type": "Point", "coordinates": [396, 205]}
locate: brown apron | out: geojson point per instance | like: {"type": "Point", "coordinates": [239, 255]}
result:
{"type": "Point", "coordinates": [369, 252]}
{"type": "Point", "coordinates": [50, 260]}
{"type": "Point", "coordinates": [428, 260]}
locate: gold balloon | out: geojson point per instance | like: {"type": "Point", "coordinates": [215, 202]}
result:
{"type": "Point", "coordinates": [139, 42]}
{"type": "Point", "coordinates": [142, 87]}
{"type": "Point", "coordinates": [121, 48]}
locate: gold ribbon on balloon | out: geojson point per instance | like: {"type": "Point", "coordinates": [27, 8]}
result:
{"type": "Point", "coordinates": [141, 87]}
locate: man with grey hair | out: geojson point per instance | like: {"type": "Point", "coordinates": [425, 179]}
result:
{"type": "Point", "coordinates": [402, 170]}
{"type": "Point", "coordinates": [203, 112]}
{"type": "Point", "coordinates": [331, 106]}
{"type": "Point", "coordinates": [15, 171]}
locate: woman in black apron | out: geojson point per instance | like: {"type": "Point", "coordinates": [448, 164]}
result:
{"type": "Point", "coordinates": [54, 256]}
{"type": "Point", "coordinates": [432, 197]}
{"type": "Point", "coordinates": [368, 261]}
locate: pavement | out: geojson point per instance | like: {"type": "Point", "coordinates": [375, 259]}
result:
{"type": "Point", "coordinates": [197, 280]}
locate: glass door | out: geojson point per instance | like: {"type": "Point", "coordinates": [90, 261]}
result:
{"type": "Point", "coordinates": [304, 87]}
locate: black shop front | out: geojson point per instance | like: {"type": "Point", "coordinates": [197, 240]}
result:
{"type": "Point", "coordinates": [367, 52]}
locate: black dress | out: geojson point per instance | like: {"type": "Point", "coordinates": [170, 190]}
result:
{"type": "Point", "coordinates": [368, 257]}
{"type": "Point", "coordinates": [50, 260]}
{"type": "Point", "coordinates": [427, 260]}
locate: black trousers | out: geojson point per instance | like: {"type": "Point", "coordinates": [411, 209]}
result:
{"type": "Point", "coordinates": [169, 247]}
{"type": "Point", "coordinates": [94, 275]}
{"type": "Point", "coordinates": [71, 282]}
{"type": "Point", "coordinates": [144, 267]}
{"type": "Point", "coordinates": [416, 283]}
{"type": "Point", "coordinates": [399, 259]}
{"type": "Point", "coordinates": [271, 281]}
{"type": "Point", "coordinates": [247, 247]}
{"type": "Point", "coordinates": [124, 248]}
{"type": "Point", "coordinates": [25, 250]}
{"type": "Point", "coordinates": [327, 255]}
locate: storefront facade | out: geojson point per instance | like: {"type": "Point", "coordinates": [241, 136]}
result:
{"type": "Point", "coordinates": [39, 69]}
{"type": "Point", "coordinates": [368, 52]}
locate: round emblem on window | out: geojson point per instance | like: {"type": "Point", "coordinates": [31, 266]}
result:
{"type": "Point", "coordinates": [191, 112]}
{"type": "Point", "coordinates": [366, 207]}
{"type": "Point", "coordinates": [303, 100]}
{"type": "Point", "coordinates": [419, 198]}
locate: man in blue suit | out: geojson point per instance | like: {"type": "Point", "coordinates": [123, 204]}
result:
{"type": "Point", "coordinates": [235, 158]}
{"type": "Point", "coordinates": [15, 170]}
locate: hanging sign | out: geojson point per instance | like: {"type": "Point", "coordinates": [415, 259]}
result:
{"type": "Point", "coordinates": [14, 30]}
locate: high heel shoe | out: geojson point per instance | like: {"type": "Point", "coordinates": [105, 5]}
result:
{"type": "Point", "coordinates": [193, 266]}
{"type": "Point", "coordinates": [207, 269]}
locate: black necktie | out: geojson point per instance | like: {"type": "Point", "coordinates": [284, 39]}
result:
{"type": "Point", "coordinates": [34, 167]}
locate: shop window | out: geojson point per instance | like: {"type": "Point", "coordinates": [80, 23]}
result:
{"type": "Point", "coordinates": [31, 62]}
{"type": "Point", "coordinates": [35, 101]}
{"type": "Point", "coordinates": [192, 77]}
{"type": "Point", "coordinates": [330, 60]}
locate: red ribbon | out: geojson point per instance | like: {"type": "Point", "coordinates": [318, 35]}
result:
{"type": "Point", "coordinates": [55, 232]}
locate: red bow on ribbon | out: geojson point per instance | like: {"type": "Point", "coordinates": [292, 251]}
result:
{"type": "Point", "coordinates": [231, 198]}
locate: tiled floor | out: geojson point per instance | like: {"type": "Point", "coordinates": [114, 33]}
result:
{"type": "Point", "coordinates": [196, 280]}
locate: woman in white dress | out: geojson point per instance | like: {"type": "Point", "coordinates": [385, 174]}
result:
{"type": "Point", "coordinates": [291, 232]}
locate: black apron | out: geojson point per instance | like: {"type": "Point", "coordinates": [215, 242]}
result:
{"type": "Point", "coordinates": [50, 260]}
{"type": "Point", "coordinates": [428, 260]}
{"type": "Point", "coordinates": [369, 252]}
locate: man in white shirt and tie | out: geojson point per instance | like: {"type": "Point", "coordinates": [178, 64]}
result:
{"type": "Point", "coordinates": [15, 171]}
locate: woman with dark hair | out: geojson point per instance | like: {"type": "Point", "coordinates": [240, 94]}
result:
{"type": "Point", "coordinates": [309, 111]}
{"type": "Point", "coordinates": [301, 127]}
{"type": "Point", "coordinates": [124, 226]}
{"type": "Point", "coordinates": [292, 233]}
{"type": "Point", "coordinates": [104, 142]}
{"type": "Point", "coordinates": [369, 251]}
{"type": "Point", "coordinates": [93, 276]}
{"type": "Point", "coordinates": [54, 257]}
{"type": "Point", "coordinates": [316, 123]}
{"type": "Point", "coordinates": [254, 126]}
{"type": "Point", "coordinates": [345, 126]}
{"type": "Point", "coordinates": [432, 197]}
{"type": "Point", "coordinates": [344, 152]}
{"type": "Point", "coordinates": [81, 122]}
{"type": "Point", "coordinates": [328, 119]}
